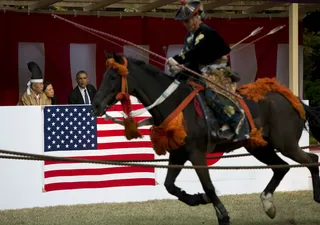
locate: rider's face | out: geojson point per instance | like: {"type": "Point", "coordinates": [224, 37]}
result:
{"type": "Point", "coordinates": [189, 24]}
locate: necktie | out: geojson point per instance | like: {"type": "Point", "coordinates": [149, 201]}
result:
{"type": "Point", "coordinates": [86, 99]}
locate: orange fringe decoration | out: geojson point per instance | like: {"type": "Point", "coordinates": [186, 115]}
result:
{"type": "Point", "coordinates": [257, 91]}
{"type": "Point", "coordinates": [170, 137]}
{"type": "Point", "coordinates": [131, 129]}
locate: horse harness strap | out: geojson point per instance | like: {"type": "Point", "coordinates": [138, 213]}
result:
{"type": "Point", "coordinates": [184, 103]}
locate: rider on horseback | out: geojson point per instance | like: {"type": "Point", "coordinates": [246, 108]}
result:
{"type": "Point", "coordinates": [205, 52]}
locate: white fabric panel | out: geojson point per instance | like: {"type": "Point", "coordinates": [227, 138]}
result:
{"type": "Point", "coordinates": [245, 63]}
{"type": "Point", "coordinates": [283, 66]}
{"type": "Point", "coordinates": [83, 57]}
{"type": "Point", "coordinates": [172, 50]}
{"type": "Point", "coordinates": [27, 52]}
{"type": "Point", "coordinates": [131, 51]}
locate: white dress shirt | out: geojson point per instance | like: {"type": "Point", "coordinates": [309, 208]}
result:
{"type": "Point", "coordinates": [82, 93]}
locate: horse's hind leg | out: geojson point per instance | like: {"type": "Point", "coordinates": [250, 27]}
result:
{"type": "Point", "coordinates": [199, 159]}
{"type": "Point", "coordinates": [179, 157]}
{"type": "Point", "coordinates": [297, 154]}
{"type": "Point", "coordinates": [268, 156]}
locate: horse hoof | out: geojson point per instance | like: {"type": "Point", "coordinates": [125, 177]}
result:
{"type": "Point", "coordinates": [224, 221]}
{"type": "Point", "coordinates": [271, 212]}
{"type": "Point", "coordinates": [317, 198]}
{"type": "Point", "coordinates": [268, 206]}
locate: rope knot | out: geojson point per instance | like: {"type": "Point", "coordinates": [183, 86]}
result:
{"type": "Point", "coordinates": [122, 69]}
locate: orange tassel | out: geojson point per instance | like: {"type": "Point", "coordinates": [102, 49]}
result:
{"type": "Point", "coordinates": [131, 129]}
{"type": "Point", "coordinates": [170, 137]}
{"type": "Point", "coordinates": [256, 140]}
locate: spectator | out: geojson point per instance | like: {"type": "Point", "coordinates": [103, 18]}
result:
{"type": "Point", "coordinates": [34, 94]}
{"type": "Point", "coordinates": [84, 92]}
{"type": "Point", "coordinates": [49, 91]}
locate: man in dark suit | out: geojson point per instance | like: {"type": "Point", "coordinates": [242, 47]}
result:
{"type": "Point", "coordinates": [84, 92]}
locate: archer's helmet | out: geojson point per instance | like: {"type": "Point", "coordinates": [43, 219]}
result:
{"type": "Point", "coordinates": [187, 10]}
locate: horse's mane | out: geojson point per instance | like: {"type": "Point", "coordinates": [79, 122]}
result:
{"type": "Point", "coordinates": [149, 68]}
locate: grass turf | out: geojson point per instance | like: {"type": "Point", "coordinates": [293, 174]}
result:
{"type": "Point", "coordinates": [293, 208]}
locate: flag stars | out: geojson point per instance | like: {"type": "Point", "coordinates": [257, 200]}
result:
{"type": "Point", "coordinates": [69, 128]}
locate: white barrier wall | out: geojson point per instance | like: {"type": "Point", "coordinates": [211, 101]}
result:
{"type": "Point", "coordinates": [22, 181]}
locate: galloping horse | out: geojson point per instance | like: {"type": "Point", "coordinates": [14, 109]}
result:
{"type": "Point", "coordinates": [281, 122]}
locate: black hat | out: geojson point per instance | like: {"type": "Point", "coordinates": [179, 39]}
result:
{"type": "Point", "coordinates": [36, 74]}
{"type": "Point", "coordinates": [187, 10]}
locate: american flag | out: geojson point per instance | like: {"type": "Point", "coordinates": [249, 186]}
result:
{"type": "Point", "coordinates": [72, 131]}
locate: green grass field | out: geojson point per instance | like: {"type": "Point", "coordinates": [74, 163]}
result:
{"type": "Point", "coordinates": [297, 208]}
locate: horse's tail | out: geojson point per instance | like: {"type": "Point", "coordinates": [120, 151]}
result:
{"type": "Point", "coordinates": [313, 118]}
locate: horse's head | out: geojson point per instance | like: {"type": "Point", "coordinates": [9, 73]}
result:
{"type": "Point", "coordinates": [111, 84]}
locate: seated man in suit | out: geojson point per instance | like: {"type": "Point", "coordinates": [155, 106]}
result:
{"type": "Point", "coordinates": [84, 92]}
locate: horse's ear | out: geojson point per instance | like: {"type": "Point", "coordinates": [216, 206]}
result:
{"type": "Point", "coordinates": [117, 57]}
{"type": "Point", "coordinates": [108, 55]}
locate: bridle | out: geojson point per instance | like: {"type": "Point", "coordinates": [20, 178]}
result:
{"type": "Point", "coordinates": [131, 127]}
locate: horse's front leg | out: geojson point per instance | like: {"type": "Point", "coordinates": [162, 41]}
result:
{"type": "Point", "coordinates": [198, 158]}
{"type": "Point", "coordinates": [179, 157]}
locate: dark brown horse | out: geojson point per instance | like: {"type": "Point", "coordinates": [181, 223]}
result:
{"type": "Point", "coordinates": [281, 123]}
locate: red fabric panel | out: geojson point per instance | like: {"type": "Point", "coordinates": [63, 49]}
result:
{"type": "Point", "coordinates": [155, 32]}
{"type": "Point", "coordinates": [9, 90]}
{"type": "Point", "coordinates": [57, 67]}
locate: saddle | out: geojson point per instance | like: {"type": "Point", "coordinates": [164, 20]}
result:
{"type": "Point", "coordinates": [208, 114]}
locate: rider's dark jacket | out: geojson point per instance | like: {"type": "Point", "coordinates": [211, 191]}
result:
{"type": "Point", "coordinates": [202, 48]}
